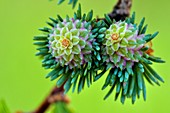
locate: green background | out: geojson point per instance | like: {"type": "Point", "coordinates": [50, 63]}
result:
{"type": "Point", "coordinates": [22, 82]}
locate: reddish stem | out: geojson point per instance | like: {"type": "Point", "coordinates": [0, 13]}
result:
{"type": "Point", "coordinates": [46, 103]}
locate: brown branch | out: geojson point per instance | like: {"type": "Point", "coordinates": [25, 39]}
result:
{"type": "Point", "coordinates": [55, 96]}
{"type": "Point", "coordinates": [121, 10]}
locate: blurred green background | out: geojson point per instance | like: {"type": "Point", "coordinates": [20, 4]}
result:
{"type": "Point", "coordinates": [22, 82]}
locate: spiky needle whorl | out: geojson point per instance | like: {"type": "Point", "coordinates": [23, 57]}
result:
{"type": "Point", "coordinates": [67, 49]}
{"type": "Point", "coordinates": [77, 48]}
{"type": "Point", "coordinates": [124, 53]}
